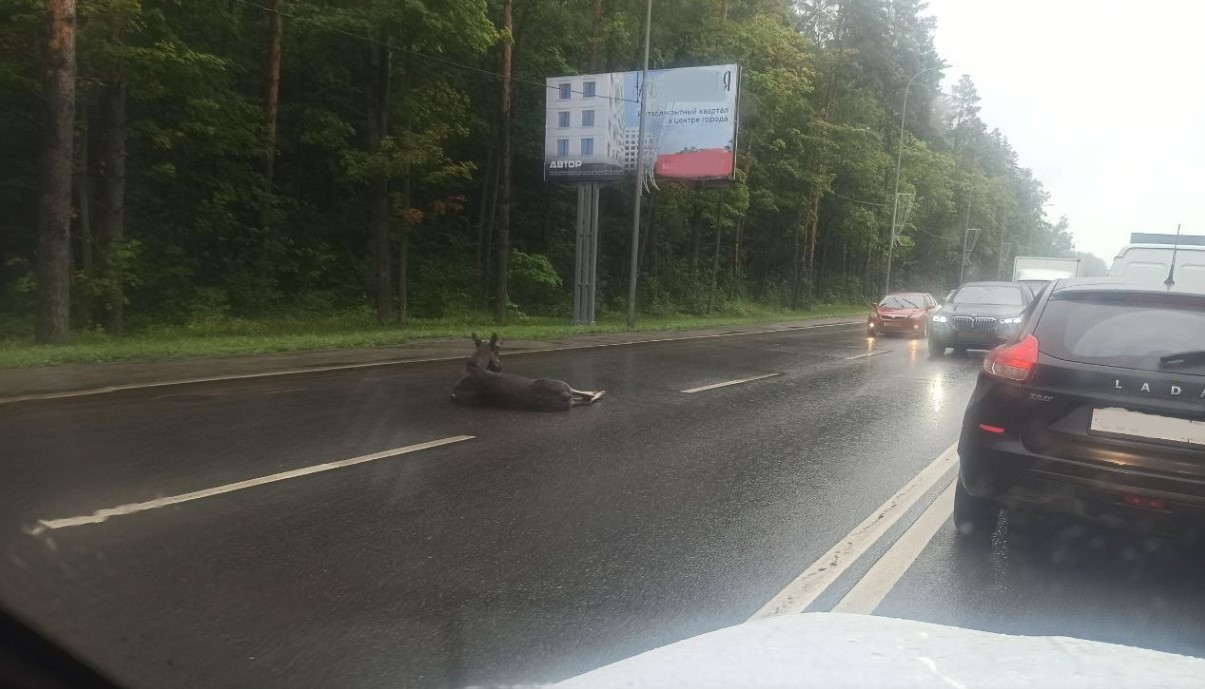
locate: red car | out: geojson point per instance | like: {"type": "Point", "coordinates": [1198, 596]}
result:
{"type": "Point", "coordinates": [901, 312]}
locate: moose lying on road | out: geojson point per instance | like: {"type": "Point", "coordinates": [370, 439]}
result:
{"type": "Point", "coordinates": [484, 384]}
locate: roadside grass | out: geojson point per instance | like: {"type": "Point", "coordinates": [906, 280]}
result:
{"type": "Point", "coordinates": [232, 336]}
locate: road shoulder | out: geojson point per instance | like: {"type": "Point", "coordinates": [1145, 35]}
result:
{"type": "Point", "coordinates": [84, 379]}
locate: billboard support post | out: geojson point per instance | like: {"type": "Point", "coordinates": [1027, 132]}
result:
{"type": "Point", "coordinates": [594, 191]}
{"type": "Point", "coordinates": [644, 88]}
{"type": "Point", "coordinates": [579, 257]}
{"type": "Point", "coordinates": [585, 272]}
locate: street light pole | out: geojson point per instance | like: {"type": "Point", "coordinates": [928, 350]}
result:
{"type": "Point", "coordinates": [644, 88]}
{"type": "Point", "coordinates": [899, 159]}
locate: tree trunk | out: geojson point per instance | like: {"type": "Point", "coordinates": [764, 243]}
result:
{"type": "Point", "coordinates": [378, 233]}
{"type": "Point", "coordinates": [271, 105]}
{"type": "Point", "coordinates": [813, 230]}
{"type": "Point", "coordinates": [644, 237]}
{"type": "Point", "coordinates": [715, 256]}
{"type": "Point", "coordinates": [596, 35]}
{"type": "Point", "coordinates": [403, 250]}
{"type": "Point", "coordinates": [736, 248]}
{"type": "Point", "coordinates": [54, 183]}
{"type": "Point", "coordinates": [483, 249]}
{"type": "Point", "coordinates": [503, 257]}
{"type": "Point", "coordinates": [83, 190]}
{"type": "Point", "coordinates": [696, 219]}
{"type": "Point", "coordinates": [800, 227]}
{"type": "Point", "coordinates": [653, 237]}
{"type": "Point", "coordinates": [403, 265]}
{"type": "Point", "coordinates": [113, 196]}
{"type": "Point", "coordinates": [491, 219]}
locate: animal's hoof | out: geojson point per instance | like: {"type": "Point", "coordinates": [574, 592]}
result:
{"type": "Point", "coordinates": [596, 396]}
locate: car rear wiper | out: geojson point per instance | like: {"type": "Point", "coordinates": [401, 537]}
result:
{"type": "Point", "coordinates": [1188, 357]}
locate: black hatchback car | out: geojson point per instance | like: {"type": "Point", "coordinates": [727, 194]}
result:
{"type": "Point", "coordinates": [978, 315]}
{"type": "Point", "coordinates": [1096, 409]}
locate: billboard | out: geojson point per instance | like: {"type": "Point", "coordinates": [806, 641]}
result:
{"type": "Point", "coordinates": [592, 122]}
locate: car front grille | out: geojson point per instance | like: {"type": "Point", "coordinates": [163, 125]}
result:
{"type": "Point", "coordinates": [980, 324]}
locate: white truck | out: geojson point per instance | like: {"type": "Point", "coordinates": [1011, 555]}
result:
{"type": "Point", "coordinates": [1148, 258]}
{"type": "Point", "coordinates": [1043, 268]}
{"type": "Point", "coordinates": [1037, 271]}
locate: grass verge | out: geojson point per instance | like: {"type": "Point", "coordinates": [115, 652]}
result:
{"type": "Point", "coordinates": [348, 331]}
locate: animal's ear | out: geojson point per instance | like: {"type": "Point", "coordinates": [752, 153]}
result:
{"type": "Point", "coordinates": [494, 342]}
{"type": "Point", "coordinates": [476, 340]}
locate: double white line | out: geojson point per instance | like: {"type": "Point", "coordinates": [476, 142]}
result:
{"type": "Point", "coordinates": [869, 592]}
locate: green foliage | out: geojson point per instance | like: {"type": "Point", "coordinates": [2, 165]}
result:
{"type": "Point", "coordinates": [806, 221]}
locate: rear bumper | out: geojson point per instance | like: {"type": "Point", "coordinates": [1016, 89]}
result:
{"type": "Point", "coordinates": [1004, 471]}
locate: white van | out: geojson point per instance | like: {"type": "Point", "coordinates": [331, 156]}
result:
{"type": "Point", "coordinates": [1148, 259]}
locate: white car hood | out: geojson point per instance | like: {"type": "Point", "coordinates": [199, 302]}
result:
{"type": "Point", "coordinates": [832, 650]}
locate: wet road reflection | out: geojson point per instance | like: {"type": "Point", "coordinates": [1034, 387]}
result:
{"type": "Point", "coordinates": [1062, 577]}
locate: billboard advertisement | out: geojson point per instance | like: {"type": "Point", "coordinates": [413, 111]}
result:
{"type": "Point", "coordinates": [592, 123]}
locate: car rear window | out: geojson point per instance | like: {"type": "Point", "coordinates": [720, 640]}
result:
{"type": "Point", "coordinates": [1123, 330]}
{"type": "Point", "coordinates": [1002, 295]}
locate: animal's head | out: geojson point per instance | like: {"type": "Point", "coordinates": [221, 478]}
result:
{"type": "Point", "coordinates": [486, 354]}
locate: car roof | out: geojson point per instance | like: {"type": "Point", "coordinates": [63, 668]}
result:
{"type": "Point", "coordinates": [1115, 284]}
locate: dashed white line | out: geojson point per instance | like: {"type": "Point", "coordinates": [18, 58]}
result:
{"type": "Point", "coordinates": [872, 588]}
{"type": "Point", "coordinates": [726, 383]}
{"type": "Point", "coordinates": [863, 356]}
{"type": "Point", "coordinates": [808, 586]}
{"type": "Point", "coordinates": [99, 516]}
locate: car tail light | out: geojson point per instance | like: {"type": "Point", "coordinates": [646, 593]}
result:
{"type": "Point", "coordinates": [1014, 362]}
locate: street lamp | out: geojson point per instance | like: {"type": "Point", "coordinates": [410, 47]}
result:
{"type": "Point", "coordinates": [899, 159]}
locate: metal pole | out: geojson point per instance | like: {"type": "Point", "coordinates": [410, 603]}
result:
{"type": "Point", "coordinates": [593, 268]}
{"type": "Point", "coordinates": [899, 159]}
{"type": "Point", "coordinates": [578, 277]}
{"type": "Point", "coordinates": [644, 87]}
{"type": "Point", "coordinates": [963, 268]}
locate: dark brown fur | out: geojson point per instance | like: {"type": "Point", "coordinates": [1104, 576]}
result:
{"type": "Point", "coordinates": [484, 384]}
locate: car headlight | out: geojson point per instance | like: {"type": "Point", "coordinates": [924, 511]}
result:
{"type": "Point", "coordinates": [940, 318]}
{"type": "Point", "coordinates": [1015, 320]}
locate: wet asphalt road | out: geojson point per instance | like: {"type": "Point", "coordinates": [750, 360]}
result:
{"type": "Point", "coordinates": [547, 545]}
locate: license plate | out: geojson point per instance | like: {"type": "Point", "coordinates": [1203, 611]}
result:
{"type": "Point", "coordinates": [1150, 426]}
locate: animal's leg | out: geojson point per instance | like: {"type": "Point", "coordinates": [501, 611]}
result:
{"type": "Point", "coordinates": [466, 392]}
{"type": "Point", "coordinates": [586, 396]}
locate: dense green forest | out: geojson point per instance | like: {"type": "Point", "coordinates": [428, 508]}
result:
{"type": "Point", "coordinates": [238, 158]}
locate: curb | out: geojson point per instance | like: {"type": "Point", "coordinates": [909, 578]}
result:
{"type": "Point", "coordinates": [109, 389]}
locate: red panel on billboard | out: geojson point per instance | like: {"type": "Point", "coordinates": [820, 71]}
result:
{"type": "Point", "coordinates": [711, 163]}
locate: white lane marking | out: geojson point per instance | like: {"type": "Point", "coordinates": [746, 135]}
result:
{"type": "Point", "coordinates": [863, 356]}
{"type": "Point", "coordinates": [808, 586]}
{"type": "Point", "coordinates": [388, 362]}
{"type": "Point", "coordinates": [726, 383]}
{"type": "Point", "coordinates": [872, 588]}
{"type": "Point", "coordinates": [121, 510]}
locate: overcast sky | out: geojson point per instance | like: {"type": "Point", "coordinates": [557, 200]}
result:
{"type": "Point", "coordinates": [1104, 100]}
